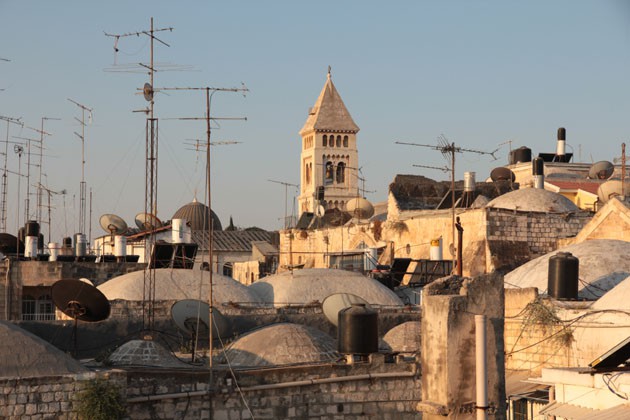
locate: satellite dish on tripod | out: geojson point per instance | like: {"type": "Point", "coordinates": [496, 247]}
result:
{"type": "Point", "coordinates": [193, 317]}
{"type": "Point", "coordinates": [147, 221]}
{"type": "Point", "coordinates": [80, 301]}
{"type": "Point", "coordinates": [113, 224]}
{"type": "Point", "coordinates": [148, 91]}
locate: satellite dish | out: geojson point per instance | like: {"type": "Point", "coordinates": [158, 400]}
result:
{"type": "Point", "coordinates": [337, 302]}
{"type": "Point", "coordinates": [320, 211]}
{"type": "Point", "coordinates": [601, 170]}
{"type": "Point", "coordinates": [80, 301]}
{"type": "Point", "coordinates": [147, 221]}
{"type": "Point", "coordinates": [502, 174]}
{"type": "Point", "coordinates": [113, 224]}
{"type": "Point", "coordinates": [147, 91]}
{"type": "Point", "coordinates": [189, 313]}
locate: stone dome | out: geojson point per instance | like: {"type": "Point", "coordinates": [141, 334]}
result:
{"type": "Point", "coordinates": [144, 353]}
{"type": "Point", "coordinates": [534, 200]}
{"type": "Point", "coordinates": [282, 344]}
{"type": "Point", "coordinates": [196, 214]}
{"type": "Point", "coordinates": [177, 285]}
{"type": "Point", "coordinates": [403, 338]}
{"type": "Point", "coordinates": [603, 265]}
{"type": "Point", "coordinates": [24, 355]}
{"type": "Point", "coordinates": [315, 284]}
{"type": "Point", "coordinates": [360, 208]}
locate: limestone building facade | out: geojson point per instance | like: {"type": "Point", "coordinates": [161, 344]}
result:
{"type": "Point", "coordinates": [329, 160]}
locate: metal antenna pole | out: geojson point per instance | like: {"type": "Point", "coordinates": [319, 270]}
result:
{"type": "Point", "coordinates": [448, 150]}
{"type": "Point", "coordinates": [18, 149]}
{"type": "Point", "coordinates": [286, 187]}
{"type": "Point", "coordinates": [41, 165]}
{"type": "Point", "coordinates": [5, 177]}
{"type": "Point", "coordinates": [82, 199]}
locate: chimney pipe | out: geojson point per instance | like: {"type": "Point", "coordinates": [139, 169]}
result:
{"type": "Point", "coordinates": [538, 172]}
{"type": "Point", "coordinates": [562, 136]}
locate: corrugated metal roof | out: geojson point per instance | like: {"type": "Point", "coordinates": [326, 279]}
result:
{"type": "Point", "coordinates": [265, 248]}
{"type": "Point", "coordinates": [518, 386]}
{"type": "Point", "coordinates": [234, 241]}
{"type": "Point", "coordinates": [621, 411]}
{"type": "Point", "coordinates": [568, 411]}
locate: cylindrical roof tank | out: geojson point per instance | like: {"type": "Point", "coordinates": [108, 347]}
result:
{"type": "Point", "coordinates": [562, 133]}
{"type": "Point", "coordinates": [40, 241]}
{"type": "Point", "coordinates": [32, 228]}
{"type": "Point", "coordinates": [522, 154]}
{"type": "Point", "coordinates": [120, 246]}
{"type": "Point", "coordinates": [80, 245]}
{"type": "Point", "coordinates": [469, 182]}
{"type": "Point", "coordinates": [562, 282]}
{"type": "Point", "coordinates": [67, 242]}
{"type": "Point", "coordinates": [358, 330]}
{"type": "Point", "coordinates": [21, 234]}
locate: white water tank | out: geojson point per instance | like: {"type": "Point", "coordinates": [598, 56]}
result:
{"type": "Point", "coordinates": [371, 259]}
{"type": "Point", "coordinates": [30, 247]}
{"type": "Point", "coordinates": [178, 227]}
{"type": "Point", "coordinates": [120, 246]}
{"type": "Point", "coordinates": [80, 245]}
{"type": "Point", "coordinates": [435, 253]}
{"type": "Point", "coordinates": [469, 181]}
{"type": "Point", "coordinates": [53, 248]}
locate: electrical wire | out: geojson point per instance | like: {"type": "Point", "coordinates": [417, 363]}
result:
{"type": "Point", "coordinates": [608, 379]}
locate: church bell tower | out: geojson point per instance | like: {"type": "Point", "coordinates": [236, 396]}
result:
{"type": "Point", "coordinates": [329, 159]}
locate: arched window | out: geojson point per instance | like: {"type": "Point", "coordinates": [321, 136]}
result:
{"type": "Point", "coordinates": [325, 140]}
{"type": "Point", "coordinates": [341, 173]}
{"type": "Point", "coordinates": [338, 141]}
{"type": "Point", "coordinates": [329, 174]}
{"type": "Point", "coordinates": [307, 173]}
{"type": "Point", "coordinates": [345, 141]}
{"type": "Point", "coordinates": [336, 204]}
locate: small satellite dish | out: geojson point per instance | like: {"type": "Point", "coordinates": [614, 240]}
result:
{"type": "Point", "coordinates": [320, 211]}
{"type": "Point", "coordinates": [147, 91]}
{"type": "Point", "coordinates": [337, 302]}
{"type": "Point", "coordinates": [80, 300]}
{"type": "Point", "coordinates": [502, 174]}
{"type": "Point", "coordinates": [147, 221]}
{"type": "Point", "coordinates": [113, 224]}
{"type": "Point", "coordinates": [187, 312]}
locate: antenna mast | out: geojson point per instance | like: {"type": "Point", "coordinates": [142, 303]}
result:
{"type": "Point", "coordinates": [41, 164]}
{"type": "Point", "coordinates": [82, 198]}
{"type": "Point", "coordinates": [3, 207]}
{"type": "Point", "coordinates": [286, 187]}
{"type": "Point", "coordinates": [448, 150]}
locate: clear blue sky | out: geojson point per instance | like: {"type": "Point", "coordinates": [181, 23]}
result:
{"type": "Point", "coordinates": [480, 72]}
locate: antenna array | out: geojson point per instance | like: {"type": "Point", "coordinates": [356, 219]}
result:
{"type": "Point", "coordinates": [82, 194]}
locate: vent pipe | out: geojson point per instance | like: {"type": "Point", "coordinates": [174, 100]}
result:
{"type": "Point", "coordinates": [562, 137]}
{"type": "Point", "coordinates": [538, 172]}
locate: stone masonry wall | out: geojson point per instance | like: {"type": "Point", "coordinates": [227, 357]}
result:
{"type": "Point", "coordinates": [540, 231]}
{"type": "Point", "coordinates": [46, 397]}
{"type": "Point", "coordinates": [283, 393]}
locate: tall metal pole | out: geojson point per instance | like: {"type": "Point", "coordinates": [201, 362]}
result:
{"type": "Point", "coordinates": [453, 199]}
{"type": "Point", "coordinates": [82, 185]}
{"type": "Point", "coordinates": [210, 232]}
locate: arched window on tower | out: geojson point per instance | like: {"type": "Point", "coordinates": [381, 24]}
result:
{"type": "Point", "coordinates": [307, 173]}
{"type": "Point", "coordinates": [341, 173]}
{"type": "Point", "coordinates": [345, 141]}
{"type": "Point", "coordinates": [325, 140]}
{"type": "Point", "coordinates": [338, 141]}
{"type": "Point", "coordinates": [329, 174]}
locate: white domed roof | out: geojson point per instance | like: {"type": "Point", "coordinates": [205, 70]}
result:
{"type": "Point", "coordinates": [24, 355]}
{"type": "Point", "coordinates": [177, 285]}
{"type": "Point", "coordinates": [360, 208]}
{"type": "Point", "coordinates": [535, 200]}
{"type": "Point", "coordinates": [403, 338]}
{"type": "Point", "coordinates": [315, 284]}
{"type": "Point", "coordinates": [282, 344]}
{"type": "Point", "coordinates": [603, 264]}
{"type": "Point", "coordinates": [615, 298]}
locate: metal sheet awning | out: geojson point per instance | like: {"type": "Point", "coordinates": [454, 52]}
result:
{"type": "Point", "coordinates": [618, 412]}
{"type": "Point", "coordinates": [569, 411]}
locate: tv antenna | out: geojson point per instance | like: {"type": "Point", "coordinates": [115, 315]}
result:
{"type": "Point", "coordinates": [82, 194]}
{"type": "Point", "coordinates": [41, 165]}
{"type": "Point", "coordinates": [448, 150]}
{"type": "Point", "coordinates": [209, 94]}
{"type": "Point", "coordinates": [286, 187]}
{"type": "Point", "coordinates": [3, 206]}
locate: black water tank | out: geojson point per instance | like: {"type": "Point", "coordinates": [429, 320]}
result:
{"type": "Point", "coordinates": [358, 330]}
{"type": "Point", "coordinates": [538, 166]}
{"type": "Point", "coordinates": [32, 228]}
{"type": "Point", "coordinates": [40, 241]}
{"type": "Point", "coordinates": [21, 232]}
{"type": "Point", "coordinates": [67, 242]}
{"type": "Point", "coordinates": [522, 154]}
{"type": "Point", "coordinates": [564, 271]}
{"type": "Point", "coordinates": [562, 133]}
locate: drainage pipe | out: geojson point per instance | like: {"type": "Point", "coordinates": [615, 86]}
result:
{"type": "Point", "coordinates": [481, 370]}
